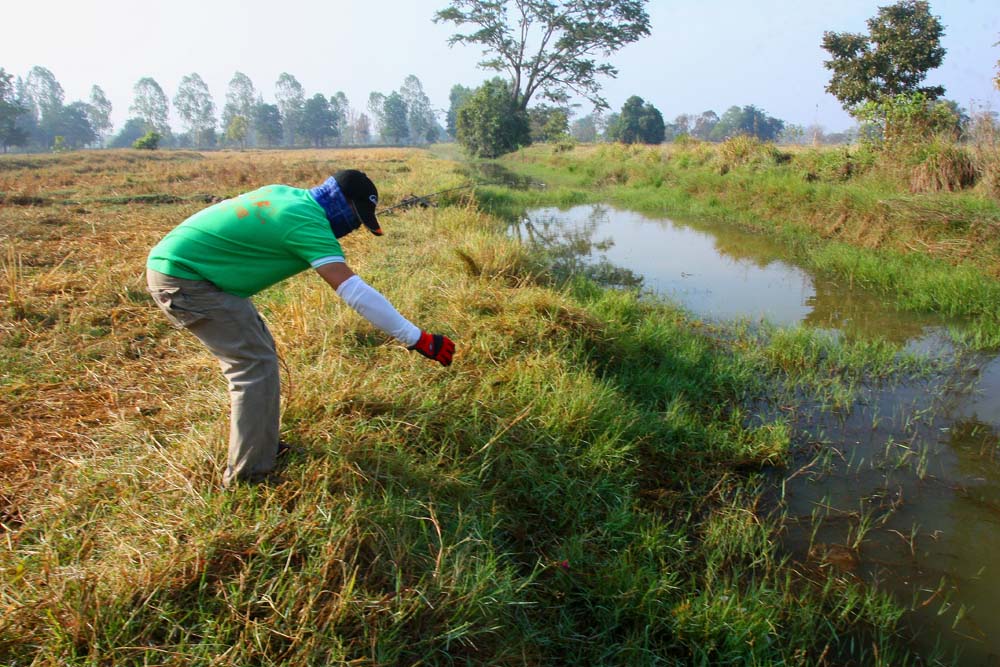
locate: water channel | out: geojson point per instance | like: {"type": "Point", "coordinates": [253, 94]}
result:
{"type": "Point", "coordinates": [903, 489]}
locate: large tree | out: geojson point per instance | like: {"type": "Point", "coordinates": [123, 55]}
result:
{"type": "Point", "coordinates": [549, 47]}
{"type": "Point", "coordinates": [902, 45]}
{"type": "Point", "coordinates": [150, 104]}
{"type": "Point", "coordinates": [196, 108]}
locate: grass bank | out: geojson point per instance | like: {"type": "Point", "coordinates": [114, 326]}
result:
{"type": "Point", "coordinates": [581, 487]}
{"type": "Point", "coordinates": [933, 252]}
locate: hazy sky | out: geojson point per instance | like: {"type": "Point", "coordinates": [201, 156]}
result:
{"type": "Point", "coordinates": [707, 54]}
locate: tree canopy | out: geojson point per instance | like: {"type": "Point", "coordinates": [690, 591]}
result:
{"type": "Point", "coordinates": [150, 104]}
{"type": "Point", "coordinates": [638, 122]}
{"type": "Point", "coordinates": [489, 124]}
{"type": "Point", "coordinates": [902, 45]}
{"type": "Point", "coordinates": [549, 47]}
{"type": "Point", "coordinates": [194, 105]}
{"type": "Point", "coordinates": [10, 110]}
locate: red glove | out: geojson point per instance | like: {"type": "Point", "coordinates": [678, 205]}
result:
{"type": "Point", "coordinates": [435, 346]}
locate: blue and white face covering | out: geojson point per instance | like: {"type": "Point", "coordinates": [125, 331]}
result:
{"type": "Point", "coordinates": [340, 213]}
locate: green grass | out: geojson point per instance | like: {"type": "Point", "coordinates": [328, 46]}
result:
{"type": "Point", "coordinates": [582, 486]}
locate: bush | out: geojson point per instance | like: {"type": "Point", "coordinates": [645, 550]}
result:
{"type": "Point", "coordinates": [490, 124]}
{"type": "Point", "coordinates": [943, 167]}
{"type": "Point", "coordinates": [747, 151]}
{"type": "Point", "coordinates": [148, 142]}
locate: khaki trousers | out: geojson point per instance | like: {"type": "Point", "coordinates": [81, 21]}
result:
{"type": "Point", "coordinates": [234, 332]}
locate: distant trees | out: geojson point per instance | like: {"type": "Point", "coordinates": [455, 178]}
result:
{"type": "Point", "coordinates": [291, 100]}
{"type": "Point", "coordinates": [133, 129]}
{"type": "Point", "coordinates": [241, 97]}
{"type": "Point", "coordinates": [747, 120]}
{"type": "Point", "coordinates": [99, 113]}
{"type": "Point", "coordinates": [548, 123]}
{"type": "Point", "coordinates": [196, 108]}
{"type": "Point", "coordinates": [395, 119]}
{"type": "Point", "coordinates": [267, 120]}
{"type": "Point", "coordinates": [456, 98]}
{"type": "Point", "coordinates": [638, 122]}
{"type": "Point", "coordinates": [151, 105]}
{"type": "Point", "coordinates": [902, 45]}
{"type": "Point", "coordinates": [318, 122]}
{"type": "Point", "coordinates": [584, 129]}
{"type": "Point", "coordinates": [420, 118]}
{"type": "Point", "coordinates": [11, 109]}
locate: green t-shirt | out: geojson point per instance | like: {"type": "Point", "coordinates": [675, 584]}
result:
{"type": "Point", "coordinates": [250, 242]}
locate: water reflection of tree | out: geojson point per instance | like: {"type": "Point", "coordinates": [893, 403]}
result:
{"type": "Point", "coordinates": [570, 247]}
{"type": "Point", "coordinates": [861, 314]}
{"type": "Point", "coordinates": [490, 172]}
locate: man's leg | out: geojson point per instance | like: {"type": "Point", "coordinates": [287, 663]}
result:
{"type": "Point", "coordinates": [234, 332]}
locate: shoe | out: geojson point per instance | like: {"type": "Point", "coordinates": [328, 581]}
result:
{"type": "Point", "coordinates": [283, 449]}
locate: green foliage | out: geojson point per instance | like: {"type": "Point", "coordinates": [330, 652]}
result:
{"type": "Point", "coordinates": [903, 44]}
{"type": "Point", "coordinates": [749, 121]}
{"type": "Point", "coordinates": [241, 98]}
{"type": "Point", "coordinates": [10, 110]}
{"type": "Point", "coordinates": [267, 120]}
{"type": "Point", "coordinates": [456, 98]}
{"type": "Point", "coordinates": [291, 99]}
{"type": "Point", "coordinates": [151, 105]}
{"type": "Point", "coordinates": [148, 142]}
{"type": "Point", "coordinates": [490, 123]}
{"type": "Point", "coordinates": [396, 122]}
{"type": "Point", "coordinates": [196, 108]}
{"type": "Point", "coordinates": [548, 123]}
{"type": "Point", "coordinates": [318, 122]}
{"type": "Point", "coordinates": [569, 32]}
{"type": "Point", "coordinates": [236, 131]}
{"type": "Point", "coordinates": [638, 122]}
{"type": "Point", "coordinates": [133, 129]}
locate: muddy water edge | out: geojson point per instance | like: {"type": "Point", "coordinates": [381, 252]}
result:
{"type": "Point", "coordinates": [897, 485]}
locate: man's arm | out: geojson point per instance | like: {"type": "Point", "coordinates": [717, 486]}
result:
{"type": "Point", "coordinates": [376, 309]}
{"type": "Point", "coordinates": [335, 273]}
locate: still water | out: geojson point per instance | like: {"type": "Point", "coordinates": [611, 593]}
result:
{"type": "Point", "coordinates": [903, 489]}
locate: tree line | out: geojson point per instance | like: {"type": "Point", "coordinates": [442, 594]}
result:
{"type": "Point", "coordinates": [35, 116]}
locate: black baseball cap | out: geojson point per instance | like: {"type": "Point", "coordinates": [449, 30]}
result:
{"type": "Point", "coordinates": [362, 193]}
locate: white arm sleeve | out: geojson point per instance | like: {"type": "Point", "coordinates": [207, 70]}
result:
{"type": "Point", "coordinates": [374, 307]}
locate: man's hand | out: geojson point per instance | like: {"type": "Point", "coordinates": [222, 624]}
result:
{"type": "Point", "coordinates": [435, 346]}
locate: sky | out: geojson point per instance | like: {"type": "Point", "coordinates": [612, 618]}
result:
{"type": "Point", "coordinates": [702, 54]}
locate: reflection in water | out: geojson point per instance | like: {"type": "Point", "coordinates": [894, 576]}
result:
{"type": "Point", "coordinates": [920, 460]}
{"type": "Point", "coordinates": [717, 272]}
